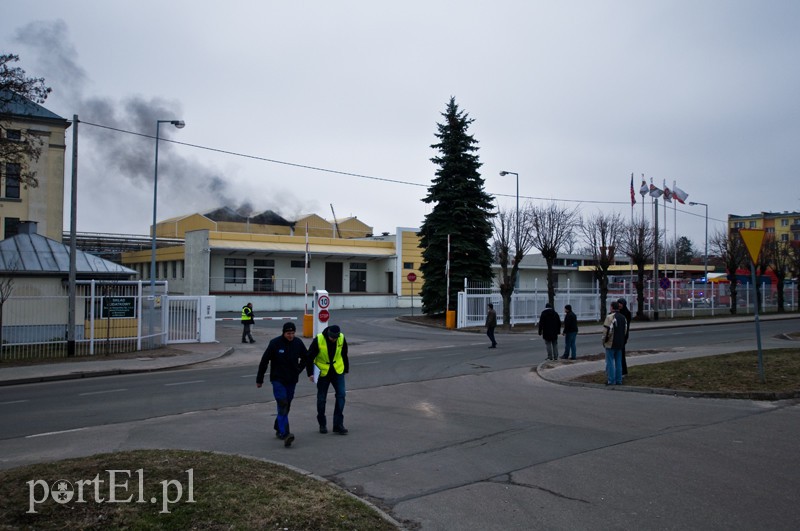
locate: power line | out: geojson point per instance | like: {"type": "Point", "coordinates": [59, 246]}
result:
{"type": "Point", "coordinates": [351, 174]}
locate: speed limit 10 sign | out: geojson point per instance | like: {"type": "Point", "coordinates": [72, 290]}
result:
{"type": "Point", "coordinates": [324, 301]}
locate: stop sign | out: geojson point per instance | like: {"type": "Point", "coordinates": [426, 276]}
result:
{"type": "Point", "coordinates": [411, 277]}
{"type": "Point", "coordinates": [324, 316]}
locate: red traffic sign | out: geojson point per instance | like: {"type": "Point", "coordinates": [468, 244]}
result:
{"type": "Point", "coordinates": [664, 283]}
{"type": "Point", "coordinates": [324, 315]}
{"type": "Point", "coordinates": [411, 277]}
{"type": "Point", "coordinates": [324, 301]}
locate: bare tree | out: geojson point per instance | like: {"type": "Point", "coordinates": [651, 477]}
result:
{"type": "Point", "coordinates": [781, 263]}
{"type": "Point", "coordinates": [512, 241]}
{"type": "Point", "coordinates": [6, 289]}
{"type": "Point", "coordinates": [637, 242]}
{"type": "Point", "coordinates": [551, 228]}
{"type": "Point", "coordinates": [601, 233]}
{"type": "Point", "coordinates": [730, 248]}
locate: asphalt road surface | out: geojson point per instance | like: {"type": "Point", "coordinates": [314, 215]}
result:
{"type": "Point", "coordinates": [447, 434]}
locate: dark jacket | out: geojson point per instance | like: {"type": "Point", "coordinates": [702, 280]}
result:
{"type": "Point", "coordinates": [549, 324]}
{"type": "Point", "coordinates": [615, 330]}
{"type": "Point", "coordinates": [287, 357]}
{"type": "Point", "coordinates": [627, 314]}
{"type": "Point", "coordinates": [570, 322]}
{"type": "Point", "coordinates": [313, 350]}
{"type": "Point", "coordinates": [491, 318]}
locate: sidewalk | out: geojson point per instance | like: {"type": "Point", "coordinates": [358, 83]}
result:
{"type": "Point", "coordinates": [193, 353]}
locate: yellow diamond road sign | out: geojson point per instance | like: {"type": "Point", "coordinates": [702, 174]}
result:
{"type": "Point", "coordinates": [752, 238]}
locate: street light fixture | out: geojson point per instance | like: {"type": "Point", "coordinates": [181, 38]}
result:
{"type": "Point", "coordinates": [705, 255]}
{"type": "Point", "coordinates": [503, 174]}
{"type": "Point", "coordinates": [180, 124]}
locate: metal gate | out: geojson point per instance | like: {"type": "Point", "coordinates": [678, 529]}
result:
{"type": "Point", "coordinates": [183, 318]}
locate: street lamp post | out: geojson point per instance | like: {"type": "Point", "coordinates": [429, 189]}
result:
{"type": "Point", "coordinates": [503, 174]}
{"type": "Point", "coordinates": [180, 125]}
{"type": "Point", "coordinates": [705, 255]}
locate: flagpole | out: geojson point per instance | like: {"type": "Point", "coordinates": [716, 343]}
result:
{"type": "Point", "coordinates": [675, 231]}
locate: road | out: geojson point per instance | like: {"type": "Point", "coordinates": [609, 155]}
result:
{"type": "Point", "coordinates": [447, 434]}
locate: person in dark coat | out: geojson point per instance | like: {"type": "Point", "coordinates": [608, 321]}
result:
{"type": "Point", "coordinates": [287, 354]}
{"type": "Point", "coordinates": [614, 330]}
{"type": "Point", "coordinates": [549, 329]}
{"type": "Point", "coordinates": [623, 309]}
{"type": "Point", "coordinates": [491, 324]}
{"type": "Point", "coordinates": [570, 332]}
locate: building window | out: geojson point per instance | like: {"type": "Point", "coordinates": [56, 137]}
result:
{"type": "Point", "coordinates": [12, 180]}
{"type": "Point", "coordinates": [784, 222]}
{"type": "Point", "coordinates": [753, 224]}
{"type": "Point", "coordinates": [784, 237]}
{"type": "Point", "coordinates": [358, 277]}
{"type": "Point", "coordinates": [15, 135]}
{"type": "Point", "coordinates": [770, 230]}
{"type": "Point", "coordinates": [235, 270]}
{"type": "Point", "coordinates": [11, 227]}
{"type": "Point", "coordinates": [738, 224]}
{"type": "Point", "coordinates": [408, 265]}
{"type": "Point", "coordinates": [264, 275]}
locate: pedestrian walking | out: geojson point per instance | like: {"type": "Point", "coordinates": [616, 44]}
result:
{"type": "Point", "coordinates": [328, 353]}
{"type": "Point", "coordinates": [570, 333]}
{"type": "Point", "coordinates": [247, 322]}
{"type": "Point", "coordinates": [549, 329]}
{"type": "Point", "coordinates": [288, 356]}
{"type": "Point", "coordinates": [614, 328]}
{"type": "Point", "coordinates": [491, 323]}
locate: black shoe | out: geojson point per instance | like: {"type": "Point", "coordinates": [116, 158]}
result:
{"type": "Point", "coordinates": [493, 346]}
{"type": "Point", "coordinates": [287, 442]}
{"type": "Point", "coordinates": [252, 341]}
{"type": "Point", "coordinates": [243, 341]}
{"type": "Point", "coordinates": [323, 429]}
{"type": "Point", "coordinates": [341, 430]}
{"type": "Point", "coordinates": [563, 357]}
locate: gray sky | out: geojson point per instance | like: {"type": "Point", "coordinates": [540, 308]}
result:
{"type": "Point", "coordinates": [574, 96]}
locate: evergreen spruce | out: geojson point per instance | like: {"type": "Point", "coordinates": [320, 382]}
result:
{"type": "Point", "coordinates": [462, 209]}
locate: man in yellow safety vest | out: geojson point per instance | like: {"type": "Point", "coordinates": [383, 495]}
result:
{"type": "Point", "coordinates": [328, 353]}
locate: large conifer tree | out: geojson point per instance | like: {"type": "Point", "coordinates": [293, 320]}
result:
{"type": "Point", "coordinates": [461, 209]}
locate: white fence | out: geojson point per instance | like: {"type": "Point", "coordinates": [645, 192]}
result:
{"type": "Point", "coordinates": [694, 300]}
{"type": "Point", "coordinates": [110, 317]}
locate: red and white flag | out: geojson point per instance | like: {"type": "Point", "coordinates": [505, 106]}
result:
{"type": "Point", "coordinates": [667, 194]}
{"type": "Point", "coordinates": [633, 194]}
{"type": "Point", "coordinates": [679, 195]}
{"type": "Point", "coordinates": [644, 190]}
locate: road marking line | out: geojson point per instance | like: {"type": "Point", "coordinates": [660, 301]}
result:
{"type": "Point", "coordinates": [184, 383]}
{"type": "Point", "coordinates": [365, 363]}
{"type": "Point", "coordinates": [14, 402]}
{"type": "Point", "coordinates": [414, 358]}
{"type": "Point", "coordinates": [102, 392]}
{"type": "Point", "coordinates": [53, 433]}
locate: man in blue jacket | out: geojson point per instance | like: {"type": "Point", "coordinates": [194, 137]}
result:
{"type": "Point", "coordinates": [287, 354]}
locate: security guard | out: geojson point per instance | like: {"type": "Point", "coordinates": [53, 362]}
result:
{"type": "Point", "coordinates": [247, 321]}
{"type": "Point", "coordinates": [328, 352]}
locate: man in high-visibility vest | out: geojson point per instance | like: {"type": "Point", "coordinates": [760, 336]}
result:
{"type": "Point", "coordinates": [247, 322]}
{"type": "Point", "coordinates": [328, 353]}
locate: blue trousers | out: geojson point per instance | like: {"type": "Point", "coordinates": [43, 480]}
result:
{"type": "Point", "coordinates": [614, 366]}
{"type": "Point", "coordinates": [569, 344]}
{"type": "Point", "coordinates": [283, 394]}
{"type": "Point", "coordinates": [337, 381]}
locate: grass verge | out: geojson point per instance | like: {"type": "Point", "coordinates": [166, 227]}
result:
{"type": "Point", "coordinates": [229, 492]}
{"type": "Point", "coordinates": [726, 373]}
